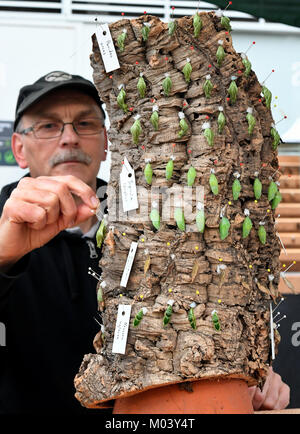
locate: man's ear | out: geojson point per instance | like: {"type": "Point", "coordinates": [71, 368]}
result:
{"type": "Point", "coordinates": [18, 150]}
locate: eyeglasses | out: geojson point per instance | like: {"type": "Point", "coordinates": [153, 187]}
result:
{"type": "Point", "coordinates": [51, 129]}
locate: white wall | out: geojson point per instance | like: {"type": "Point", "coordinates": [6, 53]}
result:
{"type": "Point", "coordinates": [32, 48]}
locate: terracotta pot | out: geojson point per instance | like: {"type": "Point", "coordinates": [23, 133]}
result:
{"type": "Point", "coordinates": [224, 396]}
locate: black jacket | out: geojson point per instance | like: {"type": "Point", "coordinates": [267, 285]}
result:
{"type": "Point", "coordinates": [47, 306]}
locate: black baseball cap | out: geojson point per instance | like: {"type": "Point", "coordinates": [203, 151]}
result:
{"type": "Point", "coordinates": [32, 93]}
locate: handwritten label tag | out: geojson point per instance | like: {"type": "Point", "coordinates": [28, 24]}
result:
{"type": "Point", "coordinates": [107, 48]}
{"type": "Point", "coordinates": [121, 330]}
{"type": "Point", "coordinates": [128, 187]}
{"type": "Point", "coordinates": [272, 333]}
{"type": "Point", "coordinates": [128, 265]}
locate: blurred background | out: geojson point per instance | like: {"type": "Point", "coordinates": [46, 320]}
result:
{"type": "Point", "coordinates": [40, 36]}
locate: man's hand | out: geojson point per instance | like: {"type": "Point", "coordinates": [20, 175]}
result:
{"type": "Point", "coordinates": [38, 209]}
{"type": "Point", "coordinates": [275, 394]}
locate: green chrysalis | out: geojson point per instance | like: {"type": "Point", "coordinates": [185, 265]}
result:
{"type": "Point", "coordinates": [200, 218]}
{"type": "Point", "coordinates": [247, 224]}
{"type": "Point", "coordinates": [168, 313]}
{"type": "Point", "coordinates": [121, 99]}
{"type": "Point", "coordinates": [191, 316]}
{"type": "Point", "coordinates": [154, 117]}
{"type": "Point", "coordinates": [187, 70]}
{"type": "Point", "coordinates": [225, 21]}
{"type": "Point", "coordinates": [268, 96]}
{"type": "Point", "coordinates": [139, 316]}
{"type": "Point", "coordinates": [233, 90]}
{"type": "Point", "coordinates": [100, 295]}
{"type": "Point", "coordinates": [141, 86]}
{"type": "Point", "coordinates": [215, 320]}
{"type": "Point", "coordinates": [213, 182]}
{"type": "Point", "coordinates": [276, 200]}
{"type": "Point", "coordinates": [146, 31]}
{"type": "Point", "coordinates": [170, 168]}
{"type": "Point", "coordinates": [272, 190]}
{"type": "Point", "coordinates": [179, 218]}
{"type": "Point", "coordinates": [221, 120]}
{"type": "Point", "coordinates": [183, 125]}
{"type": "Point", "coordinates": [191, 176]}
{"type": "Point", "coordinates": [208, 86]}
{"type": "Point", "coordinates": [148, 172]}
{"type": "Point", "coordinates": [220, 55]}
{"type": "Point", "coordinates": [172, 27]}
{"type": "Point", "coordinates": [167, 84]}
{"type": "Point", "coordinates": [136, 130]}
{"type": "Point", "coordinates": [155, 218]}
{"type": "Point", "coordinates": [224, 228]}
{"type": "Point", "coordinates": [121, 40]}
{"type": "Point", "coordinates": [101, 232]}
{"type": "Point", "coordinates": [275, 136]}
{"type": "Point", "coordinates": [247, 64]}
{"type": "Point", "coordinates": [251, 120]}
{"type": "Point", "coordinates": [208, 133]}
{"type": "Point", "coordinates": [262, 234]}
{"type": "Point", "coordinates": [197, 23]}
{"type": "Point", "coordinates": [236, 189]}
{"type": "Point", "coordinates": [257, 188]}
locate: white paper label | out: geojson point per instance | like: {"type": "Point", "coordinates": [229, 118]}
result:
{"type": "Point", "coordinates": [128, 187]}
{"type": "Point", "coordinates": [107, 48]}
{"type": "Point", "coordinates": [128, 265]}
{"type": "Point", "coordinates": [121, 330]}
{"type": "Point", "coordinates": [272, 332]}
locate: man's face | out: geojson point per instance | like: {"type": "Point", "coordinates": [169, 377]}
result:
{"type": "Point", "coordinates": [69, 154]}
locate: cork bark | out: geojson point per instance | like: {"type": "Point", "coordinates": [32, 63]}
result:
{"type": "Point", "coordinates": [184, 266]}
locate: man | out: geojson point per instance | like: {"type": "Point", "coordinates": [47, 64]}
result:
{"type": "Point", "coordinates": [47, 300]}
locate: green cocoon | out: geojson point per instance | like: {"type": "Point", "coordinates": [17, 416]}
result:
{"type": "Point", "coordinates": [197, 23]}
{"type": "Point", "coordinates": [172, 27]}
{"type": "Point", "coordinates": [225, 21]}
{"type": "Point", "coordinates": [221, 122]}
{"type": "Point", "coordinates": [141, 85]}
{"type": "Point", "coordinates": [101, 232]}
{"type": "Point", "coordinates": [209, 135]}
{"type": "Point", "coordinates": [248, 66]}
{"type": "Point", "coordinates": [169, 169]}
{"type": "Point", "coordinates": [247, 226]}
{"type": "Point", "coordinates": [233, 91]}
{"type": "Point", "coordinates": [276, 138]}
{"type": "Point", "coordinates": [191, 176]}
{"type": "Point", "coordinates": [276, 200]}
{"type": "Point", "coordinates": [183, 128]}
{"type": "Point", "coordinates": [268, 96]}
{"type": "Point", "coordinates": [167, 85]}
{"type": "Point", "coordinates": [200, 221]}
{"type": "Point", "coordinates": [224, 228]}
{"type": "Point", "coordinates": [136, 131]}
{"type": "Point", "coordinates": [148, 172]}
{"type": "Point", "coordinates": [100, 294]}
{"type": "Point", "coordinates": [138, 318]}
{"type": "Point", "coordinates": [251, 122]}
{"type": "Point", "coordinates": [257, 188]}
{"type": "Point", "coordinates": [121, 41]}
{"type": "Point", "coordinates": [155, 218]}
{"type": "Point", "coordinates": [220, 55]}
{"type": "Point", "coordinates": [213, 182]}
{"type": "Point", "coordinates": [215, 320]}
{"type": "Point", "coordinates": [145, 33]}
{"type": "Point", "coordinates": [236, 189]}
{"type": "Point", "coordinates": [179, 218]}
{"type": "Point", "coordinates": [187, 70]}
{"type": "Point", "coordinates": [192, 318]}
{"type": "Point", "coordinates": [207, 88]}
{"type": "Point", "coordinates": [272, 190]}
{"type": "Point", "coordinates": [167, 315]}
{"type": "Point", "coordinates": [154, 120]}
{"type": "Point", "coordinates": [262, 234]}
{"type": "Point", "coordinates": [121, 100]}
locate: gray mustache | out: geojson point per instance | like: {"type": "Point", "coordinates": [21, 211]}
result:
{"type": "Point", "coordinates": [70, 155]}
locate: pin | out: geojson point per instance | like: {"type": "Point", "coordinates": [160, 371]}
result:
{"type": "Point", "coordinates": [290, 266]}
{"type": "Point", "coordinates": [273, 70]}
{"type": "Point", "coordinates": [281, 300]}
{"type": "Point", "coordinates": [94, 274]}
{"type": "Point", "coordinates": [284, 117]}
